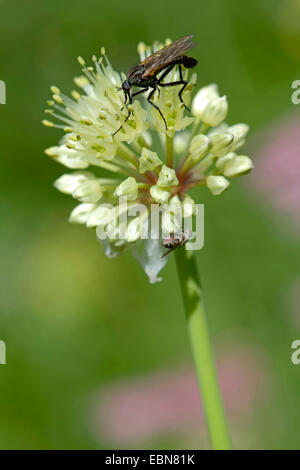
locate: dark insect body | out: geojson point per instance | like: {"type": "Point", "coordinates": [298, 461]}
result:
{"type": "Point", "coordinates": [144, 74]}
{"type": "Point", "coordinates": [174, 241]}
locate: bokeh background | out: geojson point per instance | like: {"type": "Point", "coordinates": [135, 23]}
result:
{"type": "Point", "coordinates": [96, 356]}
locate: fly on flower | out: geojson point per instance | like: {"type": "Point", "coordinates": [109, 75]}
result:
{"type": "Point", "coordinates": [144, 74]}
{"type": "Point", "coordinates": [104, 170]}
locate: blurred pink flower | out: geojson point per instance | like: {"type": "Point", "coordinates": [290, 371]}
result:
{"type": "Point", "coordinates": [167, 402]}
{"type": "Point", "coordinates": [277, 167]}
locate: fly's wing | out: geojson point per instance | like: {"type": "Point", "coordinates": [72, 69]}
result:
{"type": "Point", "coordinates": [160, 59]}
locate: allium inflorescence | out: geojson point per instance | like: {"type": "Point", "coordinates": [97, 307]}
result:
{"type": "Point", "coordinates": [144, 162]}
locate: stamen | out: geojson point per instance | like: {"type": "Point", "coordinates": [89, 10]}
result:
{"type": "Point", "coordinates": [48, 123]}
{"type": "Point", "coordinates": [55, 90]}
{"type": "Point", "coordinates": [58, 99]}
{"type": "Point", "coordinates": [75, 95]}
{"type": "Point", "coordinates": [81, 61]}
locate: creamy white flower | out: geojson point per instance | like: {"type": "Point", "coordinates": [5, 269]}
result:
{"type": "Point", "coordinates": [107, 135]}
{"type": "Point", "coordinates": [167, 177]}
{"type": "Point", "coordinates": [69, 182]}
{"type": "Point", "coordinates": [199, 147]}
{"type": "Point", "coordinates": [168, 101]}
{"type": "Point", "coordinates": [89, 191]}
{"type": "Point", "coordinates": [159, 194]}
{"type": "Point", "coordinates": [128, 188]}
{"type": "Point", "coordinates": [238, 165]}
{"type": "Point", "coordinates": [209, 107]}
{"type": "Point", "coordinates": [239, 132]}
{"type": "Point", "coordinates": [203, 98]}
{"type": "Point", "coordinates": [217, 184]}
{"type": "Point", "coordinates": [148, 161]}
{"type": "Point", "coordinates": [221, 144]}
{"type": "Point", "coordinates": [170, 223]}
{"type": "Point", "coordinates": [137, 228]}
{"type": "Point", "coordinates": [188, 206]}
{"type": "Point", "coordinates": [68, 157]}
{"type": "Point", "coordinates": [215, 111]}
{"type": "Point", "coordinates": [222, 161]}
{"type": "Point", "coordinates": [102, 215]}
{"type": "Point", "coordinates": [81, 213]}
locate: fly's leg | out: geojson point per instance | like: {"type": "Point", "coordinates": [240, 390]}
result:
{"type": "Point", "coordinates": [130, 102]}
{"type": "Point", "coordinates": [156, 107]}
{"type": "Point", "coordinates": [178, 82]}
{"type": "Point", "coordinates": [182, 89]}
{"type": "Point", "coordinates": [127, 95]}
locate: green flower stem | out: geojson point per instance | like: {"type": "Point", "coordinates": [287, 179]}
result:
{"type": "Point", "coordinates": [128, 155]}
{"type": "Point", "coordinates": [203, 128]}
{"type": "Point", "coordinates": [201, 348]}
{"type": "Point", "coordinates": [113, 168]}
{"type": "Point", "coordinates": [169, 151]}
{"type": "Point", "coordinates": [186, 165]}
{"type": "Point", "coordinates": [142, 142]}
{"type": "Point", "coordinates": [136, 147]}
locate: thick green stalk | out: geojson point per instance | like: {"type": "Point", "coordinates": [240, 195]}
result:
{"type": "Point", "coordinates": [201, 348]}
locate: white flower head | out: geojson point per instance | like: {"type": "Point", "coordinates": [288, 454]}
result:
{"type": "Point", "coordinates": [209, 106]}
{"type": "Point", "coordinates": [119, 170]}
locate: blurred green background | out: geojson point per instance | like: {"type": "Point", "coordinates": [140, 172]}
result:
{"type": "Point", "coordinates": [73, 320]}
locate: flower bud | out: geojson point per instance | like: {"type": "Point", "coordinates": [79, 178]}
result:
{"type": "Point", "coordinates": [202, 98]}
{"type": "Point", "coordinates": [172, 215]}
{"type": "Point", "coordinates": [215, 112]}
{"type": "Point", "coordinates": [217, 184]}
{"type": "Point", "coordinates": [189, 207]}
{"type": "Point", "coordinates": [222, 161]}
{"type": "Point", "coordinates": [238, 165]}
{"type": "Point", "coordinates": [170, 222]}
{"type": "Point", "coordinates": [199, 147]}
{"type": "Point", "coordinates": [81, 213]}
{"type": "Point", "coordinates": [69, 182]}
{"type": "Point", "coordinates": [128, 188]}
{"type": "Point", "coordinates": [175, 203]}
{"type": "Point", "coordinates": [239, 132]}
{"type": "Point", "coordinates": [136, 228]}
{"type": "Point", "coordinates": [209, 106]}
{"type": "Point", "coordinates": [148, 161]}
{"type": "Point", "coordinates": [103, 215]}
{"type": "Point", "coordinates": [167, 177]}
{"type": "Point", "coordinates": [159, 195]}
{"type": "Point", "coordinates": [89, 191]}
{"type": "Point", "coordinates": [221, 144]}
